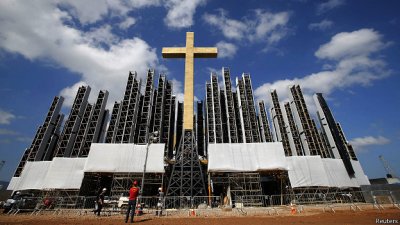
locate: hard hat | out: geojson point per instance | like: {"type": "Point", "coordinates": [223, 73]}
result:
{"type": "Point", "coordinates": [135, 182]}
{"type": "Point", "coordinates": [159, 189]}
{"type": "Point", "coordinates": [18, 193]}
{"type": "Point", "coordinates": [104, 189]}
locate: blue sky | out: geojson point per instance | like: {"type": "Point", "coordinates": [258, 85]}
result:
{"type": "Point", "coordinates": [348, 50]}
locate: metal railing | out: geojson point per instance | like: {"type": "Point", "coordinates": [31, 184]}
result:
{"type": "Point", "coordinates": [84, 204]}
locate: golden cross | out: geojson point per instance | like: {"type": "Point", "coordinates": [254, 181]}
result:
{"type": "Point", "coordinates": [189, 53]}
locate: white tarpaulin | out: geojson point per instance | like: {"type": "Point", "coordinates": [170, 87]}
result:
{"type": "Point", "coordinates": [360, 176]}
{"type": "Point", "coordinates": [337, 174]}
{"type": "Point", "coordinates": [65, 173]}
{"type": "Point", "coordinates": [307, 171]}
{"type": "Point", "coordinates": [13, 185]}
{"type": "Point", "coordinates": [60, 173]}
{"type": "Point", "coordinates": [125, 158]}
{"type": "Point", "coordinates": [249, 157]}
{"type": "Point", "coordinates": [33, 175]}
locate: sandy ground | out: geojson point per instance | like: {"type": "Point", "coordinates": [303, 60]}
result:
{"type": "Point", "coordinates": [368, 216]}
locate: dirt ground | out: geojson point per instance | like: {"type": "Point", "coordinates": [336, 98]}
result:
{"type": "Point", "coordinates": [340, 217]}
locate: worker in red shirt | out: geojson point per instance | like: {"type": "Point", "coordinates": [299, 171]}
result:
{"type": "Point", "coordinates": [133, 193]}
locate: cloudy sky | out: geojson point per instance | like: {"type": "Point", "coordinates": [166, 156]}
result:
{"type": "Point", "coordinates": [348, 50]}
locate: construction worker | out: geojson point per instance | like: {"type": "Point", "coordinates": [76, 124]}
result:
{"type": "Point", "coordinates": [133, 193]}
{"type": "Point", "coordinates": [100, 201]}
{"type": "Point", "coordinates": [160, 202]}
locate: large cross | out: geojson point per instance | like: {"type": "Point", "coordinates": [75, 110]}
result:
{"type": "Point", "coordinates": [189, 53]}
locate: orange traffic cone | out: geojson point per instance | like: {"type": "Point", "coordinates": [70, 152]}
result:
{"type": "Point", "coordinates": [292, 209]}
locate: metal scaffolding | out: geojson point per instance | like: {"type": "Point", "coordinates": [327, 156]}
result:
{"type": "Point", "coordinates": [96, 124]}
{"type": "Point", "coordinates": [320, 145]}
{"type": "Point", "coordinates": [224, 119]}
{"type": "Point", "coordinates": [22, 162]}
{"type": "Point", "coordinates": [110, 136]}
{"type": "Point", "coordinates": [229, 106]}
{"type": "Point", "coordinates": [121, 183]}
{"type": "Point", "coordinates": [129, 111]}
{"type": "Point", "coordinates": [348, 145]}
{"type": "Point", "coordinates": [279, 123]}
{"type": "Point", "coordinates": [171, 139]}
{"type": "Point", "coordinates": [335, 135]}
{"type": "Point", "coordinates": [265, 130]}
{"type": "Point", "coordinates": [187, 175]}
{"type": "Point", "coordinates": [169, 112]}
{"type": "Point", "coordinates": [251, 108]}
{"type": "Point", "coordinates": [210, 115]}
{"type": "Point", "coordinates": [54, 139]}
{"type": "Point", "coordinates": [179, 126]}
{"type": "Point", "coordinates": [237, 119]}
{"type": "Point", "coordinates": [71, 126]}
{"type": "Point", "coordinates": [244, 188]}
{"type": "Point", "coordinates": [216, 109]}
{"type": "Point", "coordinates": [307, 132]}
{"type": "Point", "coordinates": [158, 116]}
{"type": "Point", "coordinates": [294, 138]}
{"type": "Point", "coordinates": [244, 112]}
{"type": "Point", "coordinates": [81, 134]}
{"type": "Point", "coordinates": [200, 129]}
{"type": "Point", "coordinates": [43, 136]}
{"type": "Point", "coordinates": [145, 115]}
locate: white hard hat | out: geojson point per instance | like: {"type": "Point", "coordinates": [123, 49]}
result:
{"type": "Point", "coordinates": [104, 189]}
{"type": "Point", "coordinates": [18, 193]}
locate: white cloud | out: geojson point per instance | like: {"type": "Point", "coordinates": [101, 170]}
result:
{"type": "Point", "coordinates": [177, 89]}
{"type": "Point", "coordinates": [7, 132]}
{"type": "Point", "coordinates": [323, 25]}
{"type": "Point", "coordinates": [329, 5]}
{"type": "Point", "coordinates": [348, 44]}
{"type": "Point", "coordinates": [180, 12]}
{"type": "Point", "coordinates": [362, 143]}
{"type": "Point", "coordinates": [354, 65]}
{"type": "Point", "coordinates": [128, 22]}
{"type": "Point", "coordinates": [262, 27]}
{"type": "Point", "coordinates": [6, 117]}
{"type": "Point", "coordinates": [102, 59]}
{"type": "Point", "coordinates": [226, 50]}
{"type": "Point", "coordinates": [92, 11]}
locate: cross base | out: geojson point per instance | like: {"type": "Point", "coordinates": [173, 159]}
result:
{"type": "Point", "coordinates": [187, 180]}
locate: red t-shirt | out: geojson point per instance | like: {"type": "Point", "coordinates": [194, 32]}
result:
{"type": "Point", "coordinates": [133, 193]}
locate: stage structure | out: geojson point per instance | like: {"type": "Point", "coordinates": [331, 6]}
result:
{"type": "Point", "coordinates": [243, 149]}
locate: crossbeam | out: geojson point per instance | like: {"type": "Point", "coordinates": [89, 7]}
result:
{"type": "Point", "coordinates": [189, 53]}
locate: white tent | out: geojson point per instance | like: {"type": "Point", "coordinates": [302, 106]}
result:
{"type": "Point", "coordinates": [249, 157]}
{"type": "Point", "coordinates": [125, 158]}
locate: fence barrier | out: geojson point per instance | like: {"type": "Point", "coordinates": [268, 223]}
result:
{"type": "Point", "coordinates": [116, 204]}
